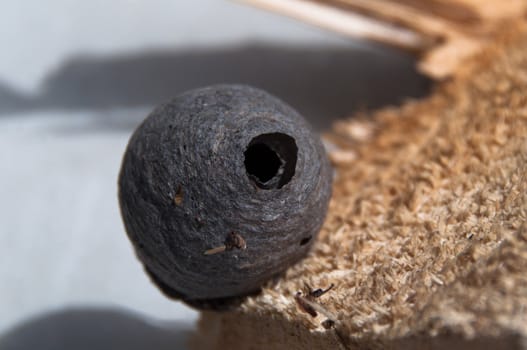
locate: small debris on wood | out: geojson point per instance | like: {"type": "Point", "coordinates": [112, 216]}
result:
{"type": "Point", "coordinates": [319, 292]}
{"type": "Point", "coordinates": [308, 304]}
{"type": "Point", "coordinates": [328, 323]}
{"type": "Point", "coordinates": [305, 305]}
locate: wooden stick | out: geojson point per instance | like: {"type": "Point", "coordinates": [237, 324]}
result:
{"type": "Point", "coordinates": [442, 33]}
{"type": "Point", "coordinates": [345, 22]}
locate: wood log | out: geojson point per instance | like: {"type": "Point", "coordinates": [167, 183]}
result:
{"type": "Point", "coordinates": [426, 235]}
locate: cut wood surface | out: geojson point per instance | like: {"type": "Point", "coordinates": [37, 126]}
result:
{"type": "Point", "coordinates": [426, 235]}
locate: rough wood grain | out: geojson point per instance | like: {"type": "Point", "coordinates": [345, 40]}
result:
{"type": "Point", "coordinates": [426, 239]}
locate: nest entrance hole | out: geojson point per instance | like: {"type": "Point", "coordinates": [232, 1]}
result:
{"type": "Point", "coordinates": [270, 160]}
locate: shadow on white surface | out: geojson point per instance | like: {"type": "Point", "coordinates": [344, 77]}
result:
{"type": "Point", "coordinates": [91, 328]}
{"type": "Point", "coordinates": [322, 82]}
{"type": "Point", "coordinates": [71, 91]}
{"type": "Point", "coordinates": [64, 144]}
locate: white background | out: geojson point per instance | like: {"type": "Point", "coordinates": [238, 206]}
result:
{"type": "Point", "coordinates": [67, 269]}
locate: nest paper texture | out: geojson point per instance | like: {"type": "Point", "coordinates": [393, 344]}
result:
{"type": "Point", "coordinates": [426, 235]}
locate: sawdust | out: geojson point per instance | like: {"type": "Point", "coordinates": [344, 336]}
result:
{"type": "Point", "coordinates": [426, 236]}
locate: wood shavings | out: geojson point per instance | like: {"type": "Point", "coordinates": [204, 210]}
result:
{"type": "Point", "coordinates": [415, 263]}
